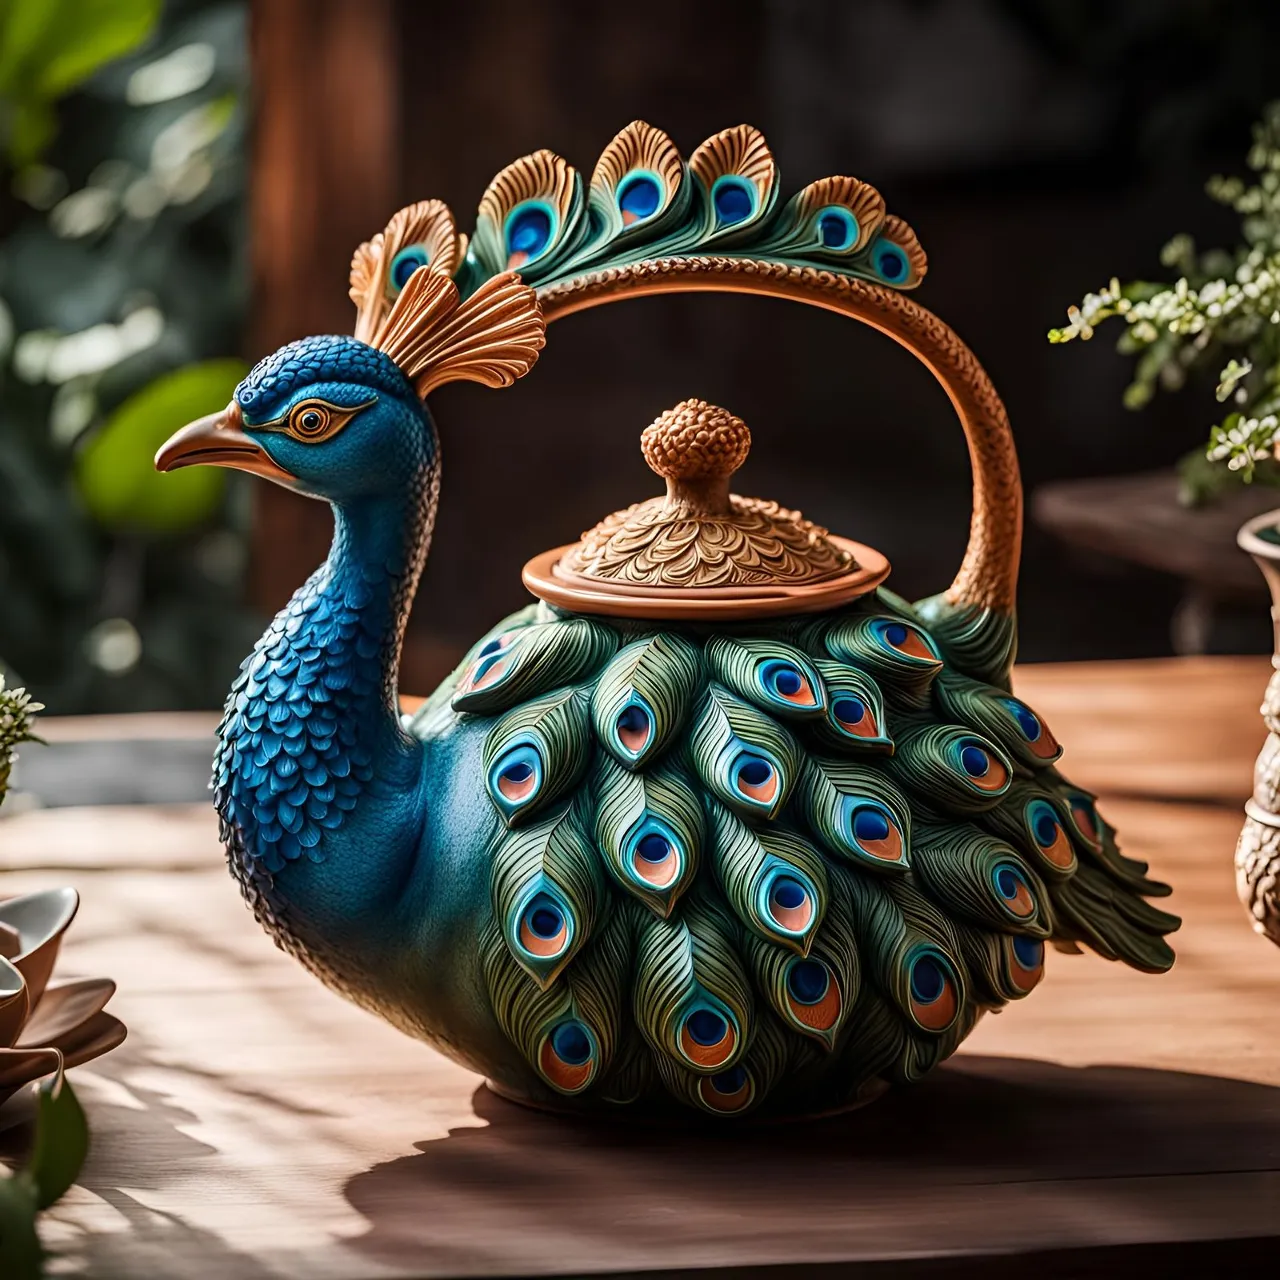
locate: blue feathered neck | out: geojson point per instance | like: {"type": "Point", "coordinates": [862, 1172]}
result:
{"type": "Point", "coordinates": [312, 724]}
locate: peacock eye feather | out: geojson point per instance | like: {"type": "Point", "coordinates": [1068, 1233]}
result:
{"type": "Point", "coordinates": [789, 904]}
{"type": "Point", "coordinates": [934, 1001]}
{"type": "Point", "coordinates": [529, 231]}
{"type": "Point", "coordinates": [403, 265]}
{"type": "Point", "coordinates": [569, 1056]}
{"type": "Point", "coordinates": [1050, 835]}
{"type": "Point", "coordinates": [515, 779]}
{"type": "Point", "coordinates": [850, 711]}
{"type": "Point", "coordinates": [727, 1091]}
{"type": "Point", "coordinates": [544, 928]}
{"type": "Point", "coordinates": [890, 262]}
{"type": "Point", "coordinates": [785, 685]}
{"type": "Point", "coordinates": [1084, 817]}
{"type": "Point", "coordinates": [837, 228]}
{"type": "Point", "coordinates": [708, 1037]}
{"type": "Point", "coordinates": [734, 200]}
{"type": "Point", "coordinates": [875, 833]}
{"type": "Point", "coordinates": [813, 995]}
{"type": "Point", "coordinates": [656, 855]}
{"type": "Point", "coordinates": [1012, 887]}
{"type": "Point", "coordinates": [755, 779]}
{"type": "Point", "coordinates": [1025, 962]}
{"type": "Point", "coordinates": [633, 727]}
{"type": "Point", "coordinates": [1041, 742]}
{"type": "Point", "coordinates": [906, 640]}
{"type": "Point", "coordinates": [639, 197]}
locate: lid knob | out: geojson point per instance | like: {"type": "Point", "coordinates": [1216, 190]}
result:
{"type": "Point", "coordinates": [696, 447]}
{"type": "Point", "coordinates": [699, 552]}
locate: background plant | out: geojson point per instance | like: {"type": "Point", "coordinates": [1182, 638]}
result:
{"type": "Point", "coordinates": [122, 290]}
{"type": "Point", "coordinates": [1221, 314]}
{"type": "Point", "coordinates": [17, 717]}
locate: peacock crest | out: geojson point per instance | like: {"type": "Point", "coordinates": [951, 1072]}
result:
{"type": "Point", "coordinates": [409, 308]}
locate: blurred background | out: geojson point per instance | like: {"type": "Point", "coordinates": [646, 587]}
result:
{"type": "Point", "coordinates": [184, 182]}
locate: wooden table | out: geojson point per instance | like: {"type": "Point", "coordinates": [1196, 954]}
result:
{"type": "Point", "coordinates": [1141, 519]}
{"type": "Point", "coordinates": [255, 1126]}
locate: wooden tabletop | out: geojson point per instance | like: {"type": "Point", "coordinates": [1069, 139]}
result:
{"type": "Point", "coordinates": [254, 1125]}
{"type": "Point", "coordinates": [1141, 518]}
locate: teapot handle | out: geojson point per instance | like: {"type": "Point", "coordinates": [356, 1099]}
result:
{"type": "Point", "coordinates": [988, 575]}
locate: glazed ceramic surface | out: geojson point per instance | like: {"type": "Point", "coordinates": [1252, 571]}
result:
{"type": "Point", "coordinates": [46, 1025]}
{"type": "Point", "coordinates": [719, 821]}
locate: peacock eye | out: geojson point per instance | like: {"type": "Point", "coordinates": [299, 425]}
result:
{"type": "Point", "coordinates": [309, 421]}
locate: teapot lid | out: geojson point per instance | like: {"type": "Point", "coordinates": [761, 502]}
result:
{"type": "Point", "coordinates": [699, 551]}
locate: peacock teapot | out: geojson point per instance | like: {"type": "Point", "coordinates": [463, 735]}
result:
{"type": "Point", "coordinates": [720, 820]}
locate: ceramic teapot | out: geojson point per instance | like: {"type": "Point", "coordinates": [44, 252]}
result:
{"type": "Point", "coordinates": [719, 820]}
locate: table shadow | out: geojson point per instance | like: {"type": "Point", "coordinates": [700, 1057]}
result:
{"type": "Point", "coordinates": [137, 1150]}
{"type": "Point", "coordinates": [528, 1189]}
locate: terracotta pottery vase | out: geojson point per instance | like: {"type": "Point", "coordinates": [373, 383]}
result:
{"type": "Point", "coordinates": [1258, 852]}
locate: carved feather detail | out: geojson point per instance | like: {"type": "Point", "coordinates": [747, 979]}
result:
{"type": "Point", "coordinates": [897, 232]}
{"type": "Point", "coordinates": [741, 150]}
{"type": "Point", "coordinates": [419, 235]}
{"type": "Point", "coordinates": [638, 146]}
{"type": "Point", "coordinates": [529, 217]}
{"type": "Point", "coordinates": [494, 337]}
{"type": "Point", "coordinates": [776, 912]}
{"type": "Point", "coordinates": [540, 175]}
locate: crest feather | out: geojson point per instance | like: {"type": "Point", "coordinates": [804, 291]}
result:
{"type": "Point", "coordinates": [494, 337]}
{"type": "Point", "coordinates": [427, 227]}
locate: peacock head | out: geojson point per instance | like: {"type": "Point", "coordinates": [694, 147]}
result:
{"type": "Point", "coordinates": [344, 418]}
{"type": "Point", "coordinates": [330, 417]}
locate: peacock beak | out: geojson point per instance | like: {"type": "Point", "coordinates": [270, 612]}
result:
{"type": "Point", "coordinates": [218, 439]}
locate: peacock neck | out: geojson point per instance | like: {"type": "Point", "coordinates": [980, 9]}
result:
{"type": "Point", "coordinates": [312, 751]}
{"type": "Point", "coordinates": [372, 571]}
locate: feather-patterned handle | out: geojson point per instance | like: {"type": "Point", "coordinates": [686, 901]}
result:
{"type": "Point", "coordinates": [988, 575]}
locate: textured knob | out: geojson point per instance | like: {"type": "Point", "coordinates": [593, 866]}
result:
{"type": "Point", "coordinates": [696, 447]}
{"type": "Point", "coordinates": [696, 441]}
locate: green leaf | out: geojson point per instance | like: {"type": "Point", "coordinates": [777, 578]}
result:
{"type": "Point", "coordinates": [47, 47]}
{"type": "Point", "coordinates": [91, 34]}
{"type": "Point", "coordinates": [20, 1253]}
{"type": "Point", "coordinates": [31, 129]}
{"type": "Point", "coordinates": [62, 1141]}
{"type": "Point", "coordinates": [24, 26]}
{"type": "Point", "coordinates": [114, 472]}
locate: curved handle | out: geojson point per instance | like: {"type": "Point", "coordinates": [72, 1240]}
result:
{"type": "Point", "coordinates": [988, 574]}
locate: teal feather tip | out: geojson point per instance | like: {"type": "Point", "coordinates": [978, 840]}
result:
{"type": "Point", "coordinates": [516, 778]}
{"type": "Point", "coordinates": [708, 1036]}
{"type": "Point", "coordinates": [645, 202]}
{"type": "Point", "coordinates": [569, 1056]}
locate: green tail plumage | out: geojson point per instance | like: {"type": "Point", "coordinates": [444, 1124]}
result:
{"type": "Point", "coordinates": [773, 866]}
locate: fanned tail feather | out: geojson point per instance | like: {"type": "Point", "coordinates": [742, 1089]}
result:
{"type": "Point", "coordinates": [568, 1032]}
{"type": "Point", "coordinates": [775, 881]}
{"type": "Point", "coordinates": [650, 831]}
{"type": "Point", "coordinates": [739, 900]}
{"type": "Point", "coordinates": [548, 891]}
{"type": "Point", "coordinates": [692, 997]}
